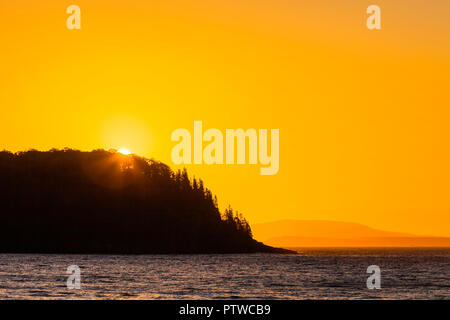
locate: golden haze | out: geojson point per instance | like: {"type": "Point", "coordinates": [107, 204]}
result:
{"type": "Point", "coordinates": [363, 115]}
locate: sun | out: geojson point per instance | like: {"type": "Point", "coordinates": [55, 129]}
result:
{"type": "Point", "coordinates": [124, 151]}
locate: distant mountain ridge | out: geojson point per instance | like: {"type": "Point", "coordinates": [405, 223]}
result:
{"type": "Point", "coordinates": [322, 233]}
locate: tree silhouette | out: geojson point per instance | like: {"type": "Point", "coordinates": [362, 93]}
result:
{"type": "Point", "coordinates": [68, 201]}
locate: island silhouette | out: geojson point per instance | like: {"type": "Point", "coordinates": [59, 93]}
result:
{"type": "Point", "coordinates": [69, 201]}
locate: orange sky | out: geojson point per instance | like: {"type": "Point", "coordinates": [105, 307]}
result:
{"type": "Point", "coordinates": [363, 115]}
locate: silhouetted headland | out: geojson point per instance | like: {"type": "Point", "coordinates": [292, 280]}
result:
{"type": "Point", "coordinates": [68, 201]}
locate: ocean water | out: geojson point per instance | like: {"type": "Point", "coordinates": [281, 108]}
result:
{"type": "Point", "coordinates": [312, 274]}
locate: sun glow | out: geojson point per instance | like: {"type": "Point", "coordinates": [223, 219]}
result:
{"type": "Point", "coordinates": [124, 151]}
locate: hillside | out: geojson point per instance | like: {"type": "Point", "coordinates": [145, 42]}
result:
{"type": "Point", "coordinates": [68, 201]}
